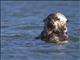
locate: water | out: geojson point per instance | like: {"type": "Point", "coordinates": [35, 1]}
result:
{"type": "Point", "coordinates": [22, 21]}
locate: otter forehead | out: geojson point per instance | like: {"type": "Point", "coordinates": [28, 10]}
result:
{"type": "Point", "coordinates": [61, 17]}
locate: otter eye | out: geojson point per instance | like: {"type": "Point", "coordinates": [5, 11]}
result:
{"type": "Point", "coordinates": [57, 18]}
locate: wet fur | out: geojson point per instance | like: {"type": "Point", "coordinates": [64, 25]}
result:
{"type": "Point", "coordinates": [54, 30]}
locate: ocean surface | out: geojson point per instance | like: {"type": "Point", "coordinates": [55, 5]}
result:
{"type": "Point", "coordinates": [22, 21]}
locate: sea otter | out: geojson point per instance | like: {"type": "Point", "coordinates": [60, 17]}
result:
{"type": "Point", "coordinates": [55, 28]}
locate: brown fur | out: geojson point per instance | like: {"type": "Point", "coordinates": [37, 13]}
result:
{"type": "Point", "coordinates": [54, 30]}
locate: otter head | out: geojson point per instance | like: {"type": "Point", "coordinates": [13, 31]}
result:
{"type": "Point", "coordinates": [56, 22]}
{"type": "Point", "coordinates": [54, 28]}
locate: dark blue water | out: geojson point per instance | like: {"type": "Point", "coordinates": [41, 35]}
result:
{"type": "Point", "coordinates": [22, 21]}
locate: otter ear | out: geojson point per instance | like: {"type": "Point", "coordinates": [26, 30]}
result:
{"type": "Point", "coordinates": [67, 21]}
{"type": "Point", "coordinates": [46, 19]}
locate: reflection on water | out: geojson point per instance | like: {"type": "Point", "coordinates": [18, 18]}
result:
{"type": "Point", "coordinates": [22, 21]}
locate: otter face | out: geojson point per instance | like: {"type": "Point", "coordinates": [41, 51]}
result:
{"type": "Point", "coordinates": [60, 22]}
{"type": "Point", "coordinates": [56, 22]}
